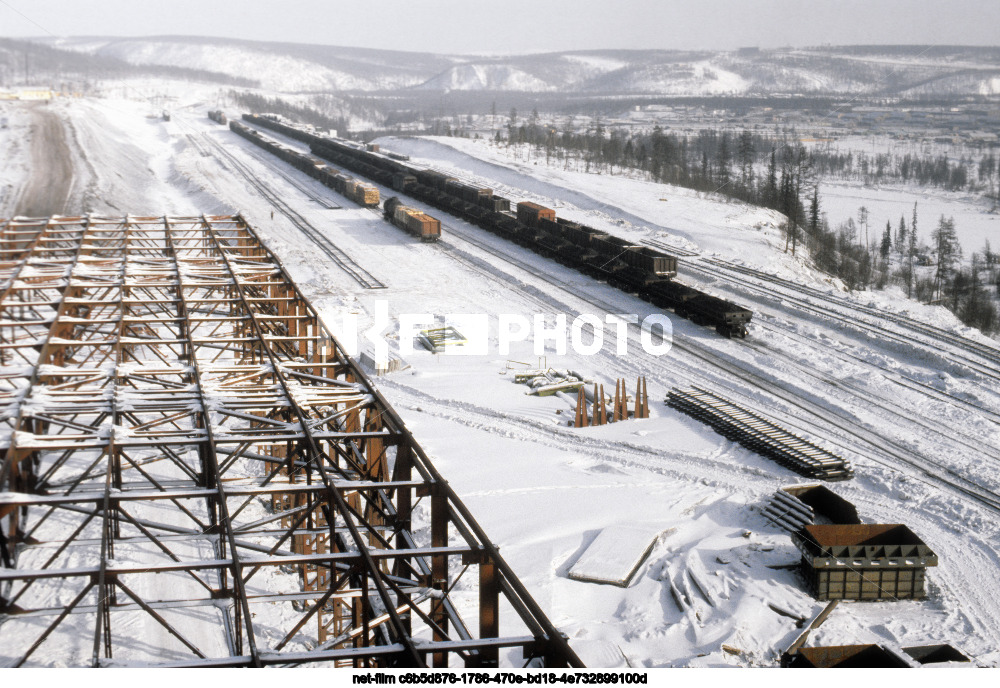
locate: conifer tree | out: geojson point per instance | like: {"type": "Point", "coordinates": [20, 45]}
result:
{"type": "Point", "coordinates": [771, 184]}
{"type": "Point", "coordinates": [948, 250]}
{"type": "Point", "coordinates": [723, 162]}
{"type": "Point", "coordinates": [814, 212]}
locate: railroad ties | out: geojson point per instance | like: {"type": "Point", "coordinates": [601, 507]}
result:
{"type": "Point", "coordinates": [760, 435]}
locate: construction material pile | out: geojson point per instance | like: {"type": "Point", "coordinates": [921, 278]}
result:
{"type": "Point", "coordinates": [760, 435]}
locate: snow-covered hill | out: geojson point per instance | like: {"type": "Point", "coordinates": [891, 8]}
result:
{"type": "Point", "coordinates": [937, 70]}
{"type": "Point", "coordinates": [282, 67]}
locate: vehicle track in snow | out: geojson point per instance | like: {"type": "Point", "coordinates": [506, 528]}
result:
{"type": "Point", "coordinates": [47, 189]}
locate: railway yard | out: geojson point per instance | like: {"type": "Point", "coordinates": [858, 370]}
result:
{"type": "Point", "coordinates": [492, 500]}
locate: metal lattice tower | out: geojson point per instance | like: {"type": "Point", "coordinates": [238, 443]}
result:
{"type": "Point", "coordinates": [195, 473]}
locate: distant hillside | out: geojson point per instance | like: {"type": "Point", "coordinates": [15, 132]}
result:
{"type": "Point", "coordinates": [869, 70]}
{"type": "Point", "coordinates": [37, 63]}
{"type": "Point", "coordinates": [286, 67]}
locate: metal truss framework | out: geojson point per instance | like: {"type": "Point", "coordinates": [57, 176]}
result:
{"type": "Point", "coordinates": [196, 473]}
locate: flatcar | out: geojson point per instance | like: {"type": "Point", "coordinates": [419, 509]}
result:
{"type": "Point", "coordinates": [412, 220]}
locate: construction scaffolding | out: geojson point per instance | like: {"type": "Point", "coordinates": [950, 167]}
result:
{"type": "Point", "coordinates": [195, 473]}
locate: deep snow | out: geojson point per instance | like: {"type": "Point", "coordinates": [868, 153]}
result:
{"type": "Point", "coordinates": [543, 490]}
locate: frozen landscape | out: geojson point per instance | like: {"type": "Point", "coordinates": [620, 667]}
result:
{"type": "Point", "coordinates": [902, 390]}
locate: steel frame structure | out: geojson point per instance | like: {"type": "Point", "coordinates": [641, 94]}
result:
{"type": "Point", "coordinates": [195, 473]}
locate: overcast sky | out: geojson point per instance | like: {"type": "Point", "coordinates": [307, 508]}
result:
{"type": "Point", "coordinates": [518, 26]}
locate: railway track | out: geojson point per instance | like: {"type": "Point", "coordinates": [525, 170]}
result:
{"type": "Point", "coordinates": [198, 146]}
{"type": "Point", "coordinates": [891, 406]}
{"type": "Point", "coordinates": [865, 441]}
{"type": "Point", "coordinates": [894, 449]}
{"type": "Point", "coordinates": [673, 250]}
{"type": "Point", "coordinates": [841, 430]}
{"type": "Point", "coordinates": [965, 347]}
{"type": "Point", "coordinates": [888, 405]}
{"type": "Point", "coordinates": [305, 190]}
{"type": "Point", "coordinates": [789, 294]}
{"type": "Point", "coordinates": [991, 353]}
{"type": "Point", "coordinates": [890, 374]}
{"type": "Point", "coordinates": [808, 306]}
{"type": "Point", "coordinates": [339, 257]}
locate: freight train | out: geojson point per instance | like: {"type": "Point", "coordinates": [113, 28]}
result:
{"type": "Point", "coordinates": [217, 116]}
{"type": "Point", "coordinates": [639, 270]}
{"type": "Point", "coordinates": [358, 191]}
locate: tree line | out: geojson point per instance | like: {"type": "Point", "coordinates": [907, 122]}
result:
{"type": "Point", "coordinates": [780, 173]}
{"type": "Point", "coordinates": [964, 174]}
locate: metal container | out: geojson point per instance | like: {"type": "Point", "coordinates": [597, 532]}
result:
{"type": "Point", "coordinates": [529, 213]}
{"type": "Point", "coordinates": [844, 657]}
{"type": "Point", "coordinates": [651, 260]}
{"type": "Point", "coordinates": [469, 194]}
{"type": "Point", "coordinates": [424, 226]}
{"type": "Point", "coordinates": [864, 561]}
{"type": "Point", "coordinates": [434, 179]}
{"type": "Point", "coordinates": [400, 181]}
{"type": "Point", "coordinates": [499, 204]}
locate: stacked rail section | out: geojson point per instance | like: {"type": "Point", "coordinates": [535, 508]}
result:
{"type": "Point", "coordinates": [196, 474]}
{"type": "Point", "coordinates": [758, 434]}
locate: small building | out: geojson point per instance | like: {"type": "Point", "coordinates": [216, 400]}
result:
{"type": "Point", "coordinates": [864, 561]}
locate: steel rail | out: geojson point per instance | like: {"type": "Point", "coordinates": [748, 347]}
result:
{"type": "Point", "coordinates": [344, 261]}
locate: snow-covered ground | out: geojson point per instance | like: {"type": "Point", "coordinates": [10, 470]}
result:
{"type": "Point", "coordinates": [14, 141]}
{"type": "Point", "coordinates": [974, 224]}
{"type": "Point", "coordinates": [974, 221]}
{"type": "Point", "coordinates": [914, 412]}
